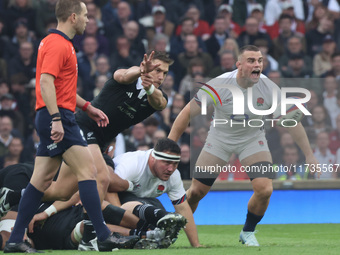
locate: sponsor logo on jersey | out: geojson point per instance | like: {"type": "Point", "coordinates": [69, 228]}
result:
{"type": "Point", "coordinates": [130, 107]}
{"type": "Point", "coordinates": [90, 136]}
{"type": "Point", "coordinates": [129, 94]}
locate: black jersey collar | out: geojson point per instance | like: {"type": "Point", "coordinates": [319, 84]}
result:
{"type": "Point", "coordinates": [55, 31]}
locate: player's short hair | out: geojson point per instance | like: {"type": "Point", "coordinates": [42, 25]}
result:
{"type": "Point", "coordinates": [166, 144]}
{"type": "Point", "coordinates": [248, 48]}
{"type": "Point", "coordinates": [162, 56]}
{"type": "Point", "coordinates": [64, 9]}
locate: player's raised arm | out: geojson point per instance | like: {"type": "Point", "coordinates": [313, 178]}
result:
{"type": "Point", "coordinates": [182, 121]}
{"type": "Point", "coordinates": [127, 76]}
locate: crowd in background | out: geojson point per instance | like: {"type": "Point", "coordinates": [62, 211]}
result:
{"type": "Point", "coordinates": [299, 40]}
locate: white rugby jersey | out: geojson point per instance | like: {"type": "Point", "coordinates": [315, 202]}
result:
{"type": "Point", "coordinates": [238, 130]}
{"type": "Point", "coordinates": [133, 166]}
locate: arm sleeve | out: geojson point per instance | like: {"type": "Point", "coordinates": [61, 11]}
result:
{"type": "Point", "coordinates": [126, 168]}
{"type": "Point", "coordinates": [54, 58]}
{"type": "Point", "coordinates": [176, 189]}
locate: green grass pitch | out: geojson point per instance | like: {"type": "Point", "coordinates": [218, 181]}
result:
{"type": "Point", "coordinates": [294, 239]}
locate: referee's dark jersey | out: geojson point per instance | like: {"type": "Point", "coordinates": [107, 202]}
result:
{"type": "Point", "coordinates": [124, 104]}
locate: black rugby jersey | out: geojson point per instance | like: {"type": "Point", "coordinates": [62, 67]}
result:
{"type": "Point", "coordinates": [124, 105]}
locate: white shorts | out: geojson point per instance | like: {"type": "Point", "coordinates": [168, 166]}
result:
{"type": "Point", "coordinates": [223, 150]}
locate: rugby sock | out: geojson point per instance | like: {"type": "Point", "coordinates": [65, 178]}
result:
{"type": "Point", "coordinates": [14, 197]}
{"type": "Point", "coordinates": [149, 213]}
{"type": "Point", "coordinates": [251, 222]}
{"type": "Point", "coordinates": [90, 198]}
{"type": "Point", "coordinates": [28, 206]}
{"type": "Point", "coordinates": [113, 214]}
{"type": "Point", "coordinates": [134, 232]}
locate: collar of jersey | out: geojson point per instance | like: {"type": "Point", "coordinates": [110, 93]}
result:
{"type": "Point", "coordinates": [55, 31]}
{"type": "Point", "coordinates": [139, 83]}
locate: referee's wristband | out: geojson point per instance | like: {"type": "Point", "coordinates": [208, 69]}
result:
{"type": "Point", "coordinates": [85, 106]}
{"type": "Point", "coordinates": [55, 115]}
{"type": "Point", "coordinates": [51, 210]}
{"type": "Point", "coordinates": [130, 188]}
{"type": "Point", "coordinates": [150, 90]}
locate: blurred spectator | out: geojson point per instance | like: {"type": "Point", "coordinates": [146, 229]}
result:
{"type": "Point", "coordinates": [116, 27]}
{"type": "Point", "coordinates": [252, 33]}
{"type": "Point", "coordinates": [196, 73]}
{"type": "Point", "coordinates": [277, 152]}
{"type": "Point", "coordinates": [31, 146]}
{"type": "Point", "coordinates": [14, 154]}
{"type": "Point", "coordinates": [160, 42]}
{"type": "Point", "coordinates": [285, 33]}
{"type": "Point", "coordinates": [325, 157]}
{"type": "Point", "coordinates": [201, 27]}
{"type": "Point", "coordinates": [87, 66]}
{"type": "Point", "coordinates": [263, 47]}
{"type": "Point", "coordinates": [321, 123]}
{"type": "Point", "coordinates": [322, 60]}
{"type": "Point", "coordinates": [335, 65]}
{"type": "Point", "coordinates": [182, 7]}
{"type": "Point", "coordinates": [144, 10]}
{"type": "Point", "coordinates": [159, 24]}
{"type": "Point", "coordinates": [158, 134]}
{"type": "Point", "coordinates": [291, 168]}
{"type": "Point", "coordinates": [331, 87]}
{"type": "Point", "coordinates": [256, 11]}
{"type": "Point", "coordinates": [131, 31]}
{"type": "Point", "coordinates": [232, 21]}
{"type": "Point", "coordinates": [319, 11]}
{"type": "Point", "coordinates": [24, 62]}
{"type": "Point", "coordinates": [21, 35]}
{"type": "Point", "coordinates": [298, 24]}
{"type": "Point", "coordinates": [192, 51]}
{"type": "Point", "coordinates": [143, 147]}
{"type": "Point", "coordinates": [177, 42]}
{"type": "Point", "coordinates": [103, 66]}
{"type": "Point", "coordinates": [20, 9]}
{"type": "Point", "coordinates": [109, 12]}
{"type": "Point", "coordinates": [124, 56]}
{"type": "Point", "coordinates": [334, 137]}
{"type": "Point", "coordinates": [314, 101]}
{"type": "Point", "coordinates": [94, 12]}
{"type": "Point", "coordinates": [274, 9]}
{"type": "Point", "coordinates": [230, 44]}
{"type": "Point", "coordinates": [227, 64]}
{"type": "Point", "coordinates": [151, 125]}
{"type": "Point", "coordinates": [44, 14]}
{"type": "Point", "coordinates": [295, 47]}
{"type": "Point", "coordinates": [168, 88]}
{"type": "Point", "coordinates": [275, 76]}
{"type": "Point", "coordinates": [198, 141]}
{"type": "Point", "coordinates": [216, 40]}
{"type": "Point", "coordinates": [6, 130]}
{"type": "Point", "coordinates": [184, 164]}
{"type": "Point", "coordinates": [8, 108]}
{"type": "Point", "coordinates": [138, 136]}
{"type": "Point", "coordinates": [315, 37]}
{"type": "Point", "coordinates": [170, 114]}
{"type": "Point", "coordinates": [92, 30]}
{"type": "Point", "coordinates": [297, 67]}
{"type": "Point", "coordinates": [99, 84]}
{"type": "Point", "coordinates": [4, 87]}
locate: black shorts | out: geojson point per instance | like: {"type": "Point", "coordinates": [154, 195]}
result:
{"type": "Point", "coordinates": [72, 133]}
{"type": "Point", "coordinates": [128, 197]}
{"type": "Point", "coordinates": [91, 135]}
{"type": "Point", "coordinates": [55, 232]}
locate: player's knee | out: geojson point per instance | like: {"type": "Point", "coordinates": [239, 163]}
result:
{"type": "Point", "coordinates": [195, 194]}
{"type": "Point", "coordinates": [263, 190]}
